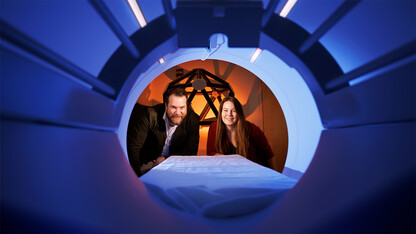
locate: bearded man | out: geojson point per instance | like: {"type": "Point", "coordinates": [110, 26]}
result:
{"type": "Point", "coordinates": [156, 132]}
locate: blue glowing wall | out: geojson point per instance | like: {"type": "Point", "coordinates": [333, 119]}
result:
{"type": "Point", "coordinates": [66, 83]}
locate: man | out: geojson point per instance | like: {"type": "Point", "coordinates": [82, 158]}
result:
{"type": "Point", "coordinates": [154, 133]}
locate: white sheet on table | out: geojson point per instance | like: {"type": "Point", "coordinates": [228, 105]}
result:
{"type": "Point", "coordinates": [216, 186]}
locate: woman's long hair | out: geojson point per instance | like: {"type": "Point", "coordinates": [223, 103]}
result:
{"type": "Point", "coordinates": [242, 136]}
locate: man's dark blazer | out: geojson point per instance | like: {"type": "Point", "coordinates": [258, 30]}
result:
{"type": "Point", "coordinates": [146, 135]}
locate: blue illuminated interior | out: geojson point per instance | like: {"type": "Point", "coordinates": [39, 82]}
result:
{"type": "Point", "coordinates": [68, 85]}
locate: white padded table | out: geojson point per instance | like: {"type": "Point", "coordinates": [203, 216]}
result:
{"type": "Point", "coordinates": [216, 186]}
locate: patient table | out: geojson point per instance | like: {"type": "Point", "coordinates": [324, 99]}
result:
{"type": "Point", "coordinates": [216, 187]}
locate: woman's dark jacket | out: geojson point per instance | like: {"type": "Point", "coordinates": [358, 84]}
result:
{"type": "Point", "coordinates": [259, 150]}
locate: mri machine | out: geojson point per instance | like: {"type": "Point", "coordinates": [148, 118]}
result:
{"type": "Point", "coordinates": [343, 71]}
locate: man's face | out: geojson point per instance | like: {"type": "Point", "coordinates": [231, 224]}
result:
{"type": "Point", "coordinates": [176, 109]}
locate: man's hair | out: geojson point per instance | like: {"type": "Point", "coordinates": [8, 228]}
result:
{"type": "Point", "coordinates": [177, 91]}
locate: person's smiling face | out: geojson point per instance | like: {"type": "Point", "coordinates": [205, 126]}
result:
{"type": "Point", "coordinates": [176, 109]}
{"type": "Point", "coordinates": [229, 114]}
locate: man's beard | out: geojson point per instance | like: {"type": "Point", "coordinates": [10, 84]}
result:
{"type": "Point", "coordinates": [176, 121]}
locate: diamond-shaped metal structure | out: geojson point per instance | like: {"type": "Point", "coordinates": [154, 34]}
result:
{"type": "Point", "coordinates": [207, 84]}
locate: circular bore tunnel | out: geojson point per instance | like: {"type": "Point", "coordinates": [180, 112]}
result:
{"type": "Point", "coordinates": [64, 165]}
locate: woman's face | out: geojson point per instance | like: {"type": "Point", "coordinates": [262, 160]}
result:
{"type": "Point", "coordinates": [228, 114]}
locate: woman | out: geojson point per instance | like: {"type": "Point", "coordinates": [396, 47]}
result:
{"type": "Point", "coordinates": [232, 134]}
